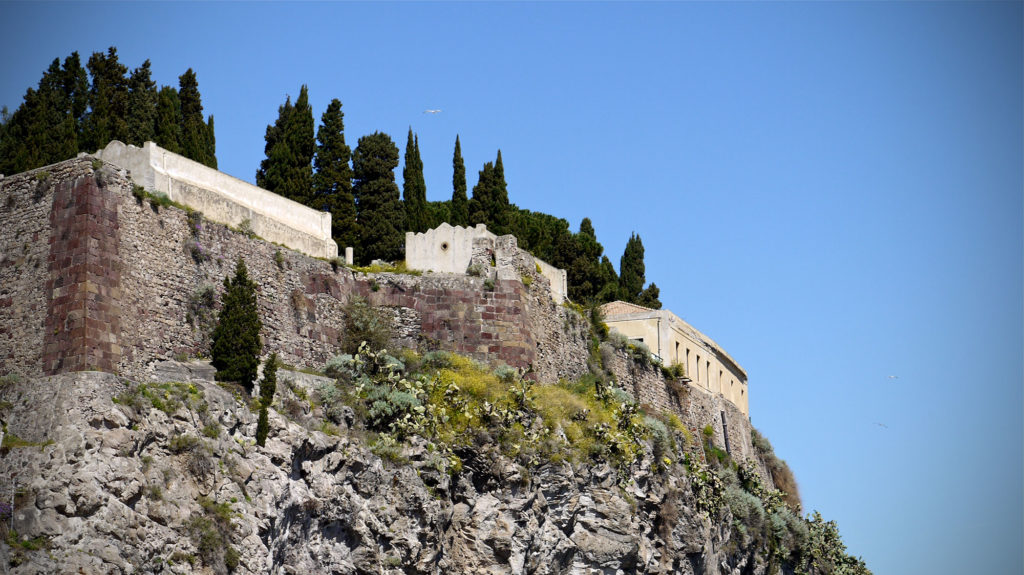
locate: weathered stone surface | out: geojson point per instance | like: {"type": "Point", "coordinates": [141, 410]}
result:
{"type": "Point", "coordinates": [118, 497]}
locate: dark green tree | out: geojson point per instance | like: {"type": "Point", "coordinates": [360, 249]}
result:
{"type": "Point", "coordinates": [380, 217]}
{"type": "Point", "coordinates": [332, 182]}
{"type": "Point", "coordinates": [632, 270]}
{"type": "Point", "coordinates": [168, 122]}
{"type": "Point", "coordinates": [584, 272]}
{"type": "Point", "coordinates": [609, 282]}
{"type": "Point", "coordinates": [42, 129]}
{"type": "Point", "coordinates": [414, 187]}
{"type": "Point", "coordinates": [489, 204]}
{"type": "Point", "coordinates": [288, 167]}
{"type": "Point", "coordinates": [459, 212]}
{"type": "Point", "coordinates": [197, 139]}
{"type": "Point", "coordinates": [142, 102]}
{"type": "Point", "coordinates": [108, 114]}
{"type": "Point", "coordinates": [268, 387]}
{"type": "Point", "coordinates": [632, 276]}
{"type": "Point", "coordinates": [236, 344]}
{"type": "Point", "coordinates": [649, 297]}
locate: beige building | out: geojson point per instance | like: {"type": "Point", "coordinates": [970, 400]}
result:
{"type": "Point", "coordinates": [676, 342]}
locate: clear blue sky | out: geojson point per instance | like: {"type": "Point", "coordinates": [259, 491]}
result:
{"type": "Point", "coordinates": [832, 191]}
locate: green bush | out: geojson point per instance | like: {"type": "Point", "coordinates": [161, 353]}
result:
{"type": "Point", "coordinates": [363, 322]}
{"type": "Point", "coordinates": [236, 341]}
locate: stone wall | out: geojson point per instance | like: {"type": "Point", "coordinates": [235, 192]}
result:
{"type": "Point", "coordinates": [127, 284]}
{"type": "Point", "coordinates": [458, 250]}
{"type": "Point", "coordinates": [224, 198]}
{"type": "Point", "coordinates": [25, 205]}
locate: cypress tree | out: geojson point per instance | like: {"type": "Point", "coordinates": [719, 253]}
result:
{"type": "Point", "coordinates": [631, 270]}
{"type": "Point", "coordinates": [631, 276]}
{"type": "Point", "coordinates": [332, 182]}
{"type": "Point", "coordinates": [44, 128]}
{"type": "Point", "coordinates": [167, 125]}
{"type": "Point", "coordinates": [489, 204]}
{"type": "Point", "coordinates": [609, 282]}
{"type": "Point", "coordinates": [211, 144]}
{"type": "Point", "coordinates": [268, 387]}
{"type": "Point", "coordinates": [459, 215]}
{"type": "Point", "coordinates": [142, 103]}
{"type": "Point", "coordinates": [196, 134]}
{"type": "Point", "coordinates": [290, 145]}
{"type": "Point", "coordinates": [236, 341]}
{"type": "Point", "coordinates": [414, 188]}
{"type": "Point", "coordinates": [108, 101]}
{"type": "Point", "coordinates": [379, 210]}
{"type": "Point", "coordinates": [584, 272]}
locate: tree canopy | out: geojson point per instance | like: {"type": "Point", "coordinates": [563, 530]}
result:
{"type": "Point", "coordinates": [236, 343]}
{"type": "Point", "coordinates": [414, 187]}
{"type": "Point", "coordinates": [287, 169]}
{"type": "Point", "coordinates": [332, 182]}
{"type": "Point", "coordinates": [379, 212]}
{"type": "Point", "coordinates": [67, 114]}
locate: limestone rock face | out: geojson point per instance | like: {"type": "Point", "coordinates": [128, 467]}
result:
{"type": "Point", "coordinates": [105, 486]}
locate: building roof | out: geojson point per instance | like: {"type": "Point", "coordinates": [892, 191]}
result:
{"type": "Point", "coordinates": [622, 307]}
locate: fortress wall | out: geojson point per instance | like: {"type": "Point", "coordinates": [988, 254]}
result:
{"type": "Point", "coordinates": [26, 201]}
{"type": "Point", "coordinates": [115, 287]}
{"type": "Point", "coordinates": [225, 199]}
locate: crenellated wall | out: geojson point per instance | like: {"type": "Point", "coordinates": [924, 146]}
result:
{"type": "Point", "coordinates": [458, 250]}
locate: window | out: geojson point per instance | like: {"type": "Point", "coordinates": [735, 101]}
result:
{"type": "Point", "coordinates": [677, 352]}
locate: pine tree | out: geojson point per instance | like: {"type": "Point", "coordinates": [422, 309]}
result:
{"type": "Point", "coordinates": [459, 213]}
{"type": "Point", "coordinates": [379, 210]}
{"type": "Point", "coordinates": [414, 187]}
{"type": "Point", "coordinates": [332, 182]}
{"type": "Point", "coordinates": [167, 125]}
{"type": "Point", "coordinates": [288, 167]}
{"type": "Point", "coordinates": [196, 134]}
{"type": "Point", "coordinates": [108, 101]}
{"type": "Point", "coordinates": [489, 204]}
{"type": "Point", "coordinates": [142, 102]}
{"type": "Point", "coordinates": [236, 341]}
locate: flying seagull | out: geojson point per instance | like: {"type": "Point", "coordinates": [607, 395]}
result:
{"type": "Point", "coordinates": [894, 377]}
{"type": "Point", "coordinates": [431, 111]}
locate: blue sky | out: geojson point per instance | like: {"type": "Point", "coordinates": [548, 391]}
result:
{"type": "Point", "coordinates": [832, 191]}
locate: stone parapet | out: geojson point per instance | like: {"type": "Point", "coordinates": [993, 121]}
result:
{"type": "Point", "coordinates": [224, 198]}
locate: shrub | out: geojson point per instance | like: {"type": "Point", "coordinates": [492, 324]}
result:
{"type": "Point", "coordinates": [245, 228]}
{"type": "Point", "coordinates": [364, 322]}
{"type": "Point", "coordinates": [236, 342]}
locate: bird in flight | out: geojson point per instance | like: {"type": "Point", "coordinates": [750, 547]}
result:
{"type": "Point", "coordinates": [882, 425]}
{"type": "Point", "coordinates": [431, 111]}
{"type": "Point", "coordinates": [894, 377]}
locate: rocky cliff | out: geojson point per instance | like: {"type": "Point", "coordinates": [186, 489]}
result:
{"type": "Point", "coordinates": [110, 476]}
